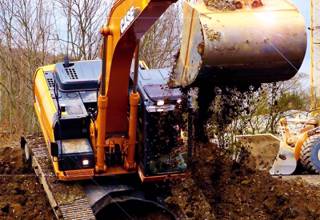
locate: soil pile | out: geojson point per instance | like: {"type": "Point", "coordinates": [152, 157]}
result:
{"type": "Point", "coordinates": [235, 190]}
{"type": "Point", "coordinates": [188, 201]}
{"type": "Point", "coordinates": [21, 195]}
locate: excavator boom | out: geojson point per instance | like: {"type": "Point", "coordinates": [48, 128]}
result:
{"type": "Point", "coordinates": [127, 22]}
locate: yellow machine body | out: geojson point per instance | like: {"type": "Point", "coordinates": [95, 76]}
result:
{"type": "Point", "coordinates": [90, 120]}
{"type": "Point", "coordinates": [46, 111]}
{"type": "Point", "coordinates": [65, 101]}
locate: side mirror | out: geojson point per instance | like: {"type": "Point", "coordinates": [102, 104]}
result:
{"type": "Point", "coordinates": [54, 150]}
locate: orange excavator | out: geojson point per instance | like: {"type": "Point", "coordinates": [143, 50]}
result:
{"type": "Point", "coordinates": [116, 116]}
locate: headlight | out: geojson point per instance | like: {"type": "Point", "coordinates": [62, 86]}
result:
{"type": "Point", "coordinates": [160, 102]}
{"type": "Point", "coordinates": [163, 108]}
{"type": "Point", "coordinates": [179, 101]}
{"type": "Point", "coordinates": [85, 162]}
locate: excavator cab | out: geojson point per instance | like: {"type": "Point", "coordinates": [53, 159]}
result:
{"type": "Point", "coordinates": [162, 126]}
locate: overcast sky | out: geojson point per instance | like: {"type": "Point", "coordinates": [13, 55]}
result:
{"type": "Point", "coordinates": [304, 7]}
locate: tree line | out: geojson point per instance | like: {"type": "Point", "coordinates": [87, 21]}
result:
{"type": "Point", "coordinates": [34, 33]}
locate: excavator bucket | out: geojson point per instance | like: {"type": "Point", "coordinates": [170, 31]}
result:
{"type": "Point", "coordinates": [270, 153]}
{"type": "Point", "coordinates": [123, 201]}
{"type": "Point", "coordinates": [239, 43]}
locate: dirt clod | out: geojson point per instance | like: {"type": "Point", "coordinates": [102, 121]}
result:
{"type": "Point", "coordinates": [21, 196]}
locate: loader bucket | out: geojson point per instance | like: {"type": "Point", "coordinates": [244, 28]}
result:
{"type": "Point", "coordinates": [270, 153]}
{"type": "Point", "coordinates": [285, 162]}
{"type": "Point", "coordinates": [263, 147]}
{"type": "Point", "coordinates": [246, 44]}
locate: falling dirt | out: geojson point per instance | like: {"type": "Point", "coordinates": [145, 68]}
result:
{"type": "Point", "coordinates": [218, 106]}
{"type": "Point", "coordinates": [220, 187]}
{"type": "Point", "coordinates": [21, 195]}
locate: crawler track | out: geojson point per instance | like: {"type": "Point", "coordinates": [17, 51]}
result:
{"type": "Point", "coordinates": [93, 199]}
{"type": "Point", "coordinates": [68, 200]}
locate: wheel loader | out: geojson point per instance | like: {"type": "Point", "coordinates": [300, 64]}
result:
{"type": "Point", "coordinates": [115, 117]}
{"type": "Point", "coordinates": [296, 151]}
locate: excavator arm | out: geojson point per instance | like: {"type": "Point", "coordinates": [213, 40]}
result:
{"type": "Point", "coordinates": [127, 23]}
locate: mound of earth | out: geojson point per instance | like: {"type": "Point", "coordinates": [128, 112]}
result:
{"type": "Point", "coordinates": [217, 188]}
{"type": "Point", "coordinates": [21, 195]}
{"type": "Point", "coordinates": [237, 191]}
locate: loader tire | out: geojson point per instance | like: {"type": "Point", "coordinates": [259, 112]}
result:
{"type": "Point", "coordinates": [310, 154]}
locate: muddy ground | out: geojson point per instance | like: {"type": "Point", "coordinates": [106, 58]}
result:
{"type": "Point", "coordinates": [237, 191]}
{"type": "Point", "coordinates": [218, 188]}
{"type": "Point", "coordinates": [21, 195]}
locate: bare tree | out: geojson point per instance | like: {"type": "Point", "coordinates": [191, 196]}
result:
{"type": "Point", "coordinates": [269, 104]}
{"type": "Point", "coordinates": [161, 43]}
{"type": "Point", "coordinates": [81, 40]}
{"type": "Point", "coordinates": [25, 29]}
